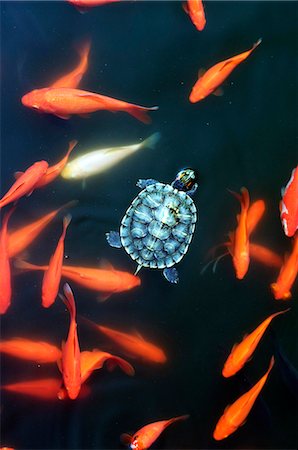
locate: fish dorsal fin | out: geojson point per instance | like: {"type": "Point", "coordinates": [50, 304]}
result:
{"type": "Point", "coordinates": [138, 335]}
{"type": "Point", "coordinates": [61, 116]}
{"type": "Point", "coordinates": [226, 408]}
{"type": "Point", "coordinates": [185, 7]}
{"type": "Point", "coordinates": [105, 264]}
{"type": "Point", "coordinates": [59, 363]}
{"type": "Point", "coordinates": [126, 438]}
{"type": "Point", "coordinates": [234, 346]}
{"type": "Point", "coordinates": [201, 72]}
{"type": "Point", "coordinates": [17, 175]}
{"type": "Point", "coordinates": [282, 191]}
{"type": "Point", "coordinates": [103, 296]}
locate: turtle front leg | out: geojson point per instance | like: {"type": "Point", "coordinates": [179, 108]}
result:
{"type": "Point", "coordinates": [193, 190]}
{"type": "Point", "coordinates": [144, 183]}
{"type": "Point", "coordinates": [171, 274]}
{"type": "Point", "coordinates": [113, 238]}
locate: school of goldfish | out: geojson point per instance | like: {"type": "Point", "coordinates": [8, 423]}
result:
{"type": "Point", "coordinates": [63, 98]}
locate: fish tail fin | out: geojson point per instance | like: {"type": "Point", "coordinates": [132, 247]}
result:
{"type": "Point", "coordinates": [83, 48]}
{"type": "Point", "coordinates": [88, 322]}
{"type": "Point", "coordinates": [70, 204]}
{"type": "Point", "coordinates": [66, 222]}
{"type": "Point", "coordinates": [140, 113]}
{"type": "Point", "coordinates": [71, 146]}
{"type": "Point", "coordinates": [272, 361]}
{"type": "Point", "coordinates": [6, 218]}
{"type": "Point", "coordinates": [176, 419]}
{"type": "Point", "coordinates": [278, 313]}
{"type": "Point", "coordinates": [68, 300]}
{"type": "Point", "coordinates": [152, 140]}
{"type": "Point", "coordinates": [24, 265]}
{"type": "Point", "coordinates": [256, 44]}
{"type": "Point", "coordinates": [244, 198]}
{"type": "Point", "coordinates": [114, 361]}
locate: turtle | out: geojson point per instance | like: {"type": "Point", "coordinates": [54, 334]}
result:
{"type": "Point", "coordinates": [158, 226]}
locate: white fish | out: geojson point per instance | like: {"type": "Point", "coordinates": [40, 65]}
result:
{"type": "Point", "coordinates": [98, 161]}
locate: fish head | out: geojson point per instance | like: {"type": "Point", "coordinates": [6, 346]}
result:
{"type": "Point", "coordinates": [228, 368]}
{"type": "Point", "coordinates": [197, 94]}
{"type": "Point", "coordinates": [73, 390]}
{"type": "Point", "coordinates": [71, 171]}
{"type": "Point", "coordinates": [33, 99]}
{"type": "Point", "coordinates": [241, 265]}
{"type": "Point", "coordinates": [129, 281]}
{"type": "Point", "coordinates": [223, 428]}
{"type": "Point", "coordinates": [136, 443]}
{"type": "Point", "coordinates": [279, 292]}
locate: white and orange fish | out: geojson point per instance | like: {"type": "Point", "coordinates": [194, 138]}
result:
{"type": "Point", "coordinates": [289, 205]}
{"type": "Point", "coordinates": [210, 81]}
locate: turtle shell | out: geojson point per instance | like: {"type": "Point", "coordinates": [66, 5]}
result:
{"type": "Point", "coordinates": [158, 226]}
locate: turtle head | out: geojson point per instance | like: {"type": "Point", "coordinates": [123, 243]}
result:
{"type": "Point", "coordinates": [185, 179]}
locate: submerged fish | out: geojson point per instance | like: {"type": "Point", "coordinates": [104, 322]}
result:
{"type": "Point", "coordinates": [38, 351]}
{"type": "Point", "coordinates": [73, 78]}
{"type": "Point", "coordinates": [147, 435]}
{"type": "Point", "coordinates": [289, 205]}
{"type": "Point", "coordinates": [64, 102]}
{"type": "Point", "coordinates": [196, 12]}
{"type": "Point", "coordinates": [242, 352]}
{"type": "Point", "coordinates": [43, 388]}
{"type": "Point", "coordinates": [21, 238]}
{"type": "Point", "coordinates": [209, 81]}
{"type": "Point", "coordinates": [25, 184]}
{"type": "Point", "coordinates": [5, 273]}
{"type": "Point", "coordinates": [98, 161]}
{"type": "Point", "coordinates": [106, 281]}
{"type": "Point", "coordinates": [235, 414]}
{"type": "Point", "coordinates": [134, 345]}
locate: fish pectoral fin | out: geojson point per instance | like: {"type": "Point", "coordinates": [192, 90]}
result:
{"type": "Point", "coordinates": [126, 438]}
{"type": "Point", "coordinates": [103, 296]}
{"type": "Point", "coordinates": [105, 264]}
{"type": "Point", "coordinates": [17, 175]}
{"type": "Point", "coordinates": [63, 116]}
{"type": "Point", "coordinates": [138, 334]}
{"type": "Point", "coordinates": [59, 364]}
{"type": "Point", "coordinates": [85, 116]}
{"type": "Point", "coordinates": [219, 92]}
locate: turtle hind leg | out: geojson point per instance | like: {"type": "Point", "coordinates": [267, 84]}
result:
{"type": "Point", "coordinates": [171, 274]}
{"type": "Point", "coordinates": [113, 238]}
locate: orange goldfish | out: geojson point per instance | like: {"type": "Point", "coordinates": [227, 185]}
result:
{"type": "Point", "coordinates": [106, 281]}
{"type": "Point", "coordinates": [243, 351]}
{"type": "Point", "coordinates": [37, 351]}
{"type": "Point", "coordinates": [5, 275]}
{"type": "Point", "coordinates": [133, 344]}
{"type": "Point", "coordinates": [282, 287]}
{"type": "Point", "coordinates": [195, 9]}
{"type": "Point", "coordinates": [94, 360]}
{"type": "Point", "coordinates": [44, 388]}
{"type": "Point", "coordinates": [235, 414]}
{"type": "Point", "coordinates": [148, 434]}
{"type": "Point", "coordinates": [63, 102]}
{"type": "Point", "coordinates": [25, 184]}
{"type": "Point", "coordinates": [239, 239]}
{"type": "Point", "coordinates": [54, 171]}
{"type": "Point", "coordinates": [71, 355]}
{"type": "Point", "coordinates": [20, 239]}
{"type": "Point", "coordinates": [83, 5]}
{"type": "Point", "coordinates": [52, 276]}
{"type": "Point", "coordinates": [289, 205]}
{"type": "Point", "coordinates": [210, 81]}
{"type": "Point", "coordinates": [73, 78]}
{"type": "Point", "coordinates": [264, 255]}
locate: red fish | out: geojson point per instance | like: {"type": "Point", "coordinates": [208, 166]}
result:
{"type": "Point", "coordinates": [20, 239]}
{"type": "Point", "coordinates": [264, 255]}
{"type": "Point", "coordinates": [83, 5]}
{"type": "Point", "coordinates": [52, 276]}
{"type": "Point", "coordinates": [54, 171]}
{"type": "Point", "coordinates": [64, 102]}
{"type": "Point", "coordinates": [73, 78]}
{"type": "Point", "coordinates": [25, 184]}
{"type": "Point", "coordinates": [239, 239]}
{"type": "Point", "coordinates": [44, 388]}
{"type": "Point", "coordinates": [37, 351]}
{"type": "Point", "coordinates": [106, 281]}
{"type": "Point", "coordinates": [133, 344]}
{"type": "Point", "coordinates": [196, 12]}
{"type": "Point", "coordinates": [148, 434]}
{"type": "Point", "coordinates": [209, 82]}
{"type": "Point", "coordinates": [235, 414]}
{"type": "Point", "coordinates": [5, 275]}
{"type": "Point", "coordinates": [289, 205]}
{"type": "Point", "coordinates": [282, 287]}
{"type": "Point", "coordinates": [71, 355]}
{"type": "Point", "coordinates": [242, 352]}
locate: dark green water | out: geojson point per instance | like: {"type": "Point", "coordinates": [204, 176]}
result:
{"type": "Point", "coordinates": [149, 53]}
